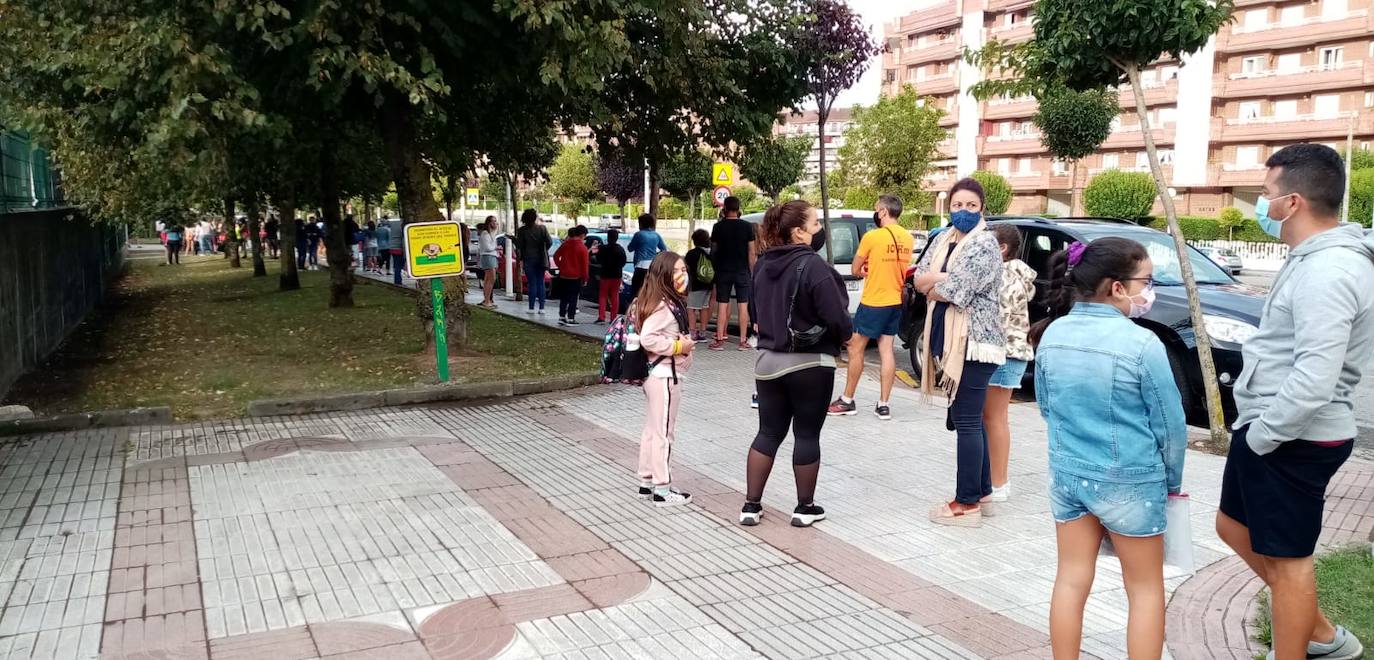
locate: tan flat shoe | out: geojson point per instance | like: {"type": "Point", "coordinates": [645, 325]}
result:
{"type": "Point", "coordinates": [943, 515]}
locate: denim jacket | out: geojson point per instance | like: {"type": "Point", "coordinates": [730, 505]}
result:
{"type": "Point", "coordinates": [1107, 392]}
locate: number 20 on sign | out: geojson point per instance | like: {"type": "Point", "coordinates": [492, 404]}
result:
{"type": "Point", "coordinates": [434, 250]}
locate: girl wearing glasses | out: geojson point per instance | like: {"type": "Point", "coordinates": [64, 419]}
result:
{"type": "Point", "coordinates": [1116, 435]}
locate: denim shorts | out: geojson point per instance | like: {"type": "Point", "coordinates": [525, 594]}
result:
{"type": "Point", "coordinates": [875, 322]}
{"type": "Point", "coordinates": [1125, 509]}
{"type": "Point", "coordinates": [1009, 374]}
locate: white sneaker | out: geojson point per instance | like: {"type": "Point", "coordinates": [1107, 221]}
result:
{"type": "Point", "coordinates": [999, 493]}
{"type": "Point", "coordinates": [674, 497]}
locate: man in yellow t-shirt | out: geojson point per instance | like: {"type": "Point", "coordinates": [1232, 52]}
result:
{"type": "Point", "coordinates": [882, 259]}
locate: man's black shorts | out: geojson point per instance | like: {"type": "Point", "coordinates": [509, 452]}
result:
{"type": "Point", "coordinates": [736, 282]}
{"type": "Point", "coordinates": [1280, 496]}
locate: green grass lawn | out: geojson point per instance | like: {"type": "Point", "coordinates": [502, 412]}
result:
{"type": "Point", "coordinates": [1345, 589]}
{"type": "Point", "coordinates": [206, 340]}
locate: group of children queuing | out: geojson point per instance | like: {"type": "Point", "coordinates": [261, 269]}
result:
{"type": "Point", "coordinates": [1104, 384]}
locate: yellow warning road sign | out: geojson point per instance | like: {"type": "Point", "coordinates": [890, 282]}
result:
{"type": "Point", "coordinates": [722, 174]}
{"type": "Point", "coordinates": [434, 249]}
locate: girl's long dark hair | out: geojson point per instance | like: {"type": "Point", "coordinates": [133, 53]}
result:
{"type": "Point", "coordinates": [780, 220]}
{"type": "Point", "coordinates": [1110, 259]}
{"type": "Point", "coordinates": [658, 287]}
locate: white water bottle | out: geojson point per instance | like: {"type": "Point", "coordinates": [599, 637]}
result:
{"type": "Point", "coordinates": [632, 341]}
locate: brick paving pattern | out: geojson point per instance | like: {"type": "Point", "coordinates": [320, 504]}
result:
{"type": "Point", "coordinates": [511, 530]}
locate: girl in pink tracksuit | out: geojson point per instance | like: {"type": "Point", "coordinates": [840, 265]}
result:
{"type": "Point", "coordinates": [661, 318]}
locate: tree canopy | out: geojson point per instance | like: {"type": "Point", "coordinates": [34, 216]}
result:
{"type": "Point", "coordinates": [774, 162]}
{"type": "Point", "coordinates": [890, 145]}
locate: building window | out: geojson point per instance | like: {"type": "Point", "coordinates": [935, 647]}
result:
{"type": "Point", "coordinates": [1252, 65]}
{"type": "Point", "coordinates": [1142, 160]}
{"type": "Point", "coordinates": [1249, 110]}
{"type": "Point", "coordinates": [1256, 19]}
{"type": "Point", "coordinates": [1327, 106]}
{"type": "Point", "coordinates": [1290, 63]}
{"type": "Point", "coordinates": [1059, 167]}
{"type": "Point", "coordinates": [1335, 9]}
{"type": "Point", "coordinates": [1286, 109]}
{"type": "Point", "coordinates": [1247, 157]}
{"type": "Point", "coordinates": [1331, 58]}
{"type": "Point", "coordinates": [1111, 161]}
{"type": "Point", "coordinates": [1291, 15]}
{"type": "Point", "coordinates": [890, 75]}
{"type": "Point", "coordinates": [1369, 99]}
{"type": "Point", "coordinates": [1167, 116]}
{"type": "Point", "coordinates": [1025, 168]}
{"type": "Point", "coordinates": [1004, 166]}
{"type": "Point", "coordinates": [1166, 156]}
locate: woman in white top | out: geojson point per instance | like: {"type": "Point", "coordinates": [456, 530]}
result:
{"type": "Point", "coordinates": [486, 259]}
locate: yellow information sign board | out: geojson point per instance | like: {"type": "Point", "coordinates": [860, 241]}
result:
{"type": "Point", "coordinates": [722, 174]}
{"type": "Point", "coordinates": [434, 249]}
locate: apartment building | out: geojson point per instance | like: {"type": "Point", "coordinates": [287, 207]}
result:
{"type": "Point", "coordinates": [1283, 71]}
{"type": "Point", "coordinates": [806, 124]}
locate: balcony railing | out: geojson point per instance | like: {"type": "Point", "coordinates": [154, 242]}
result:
{"type": "Point", "coordinates": [1310, 20]}
{"type": "Point", "coordinates": [1316, 29]}
{"type": "Point", "coordinates": [1012, 137]}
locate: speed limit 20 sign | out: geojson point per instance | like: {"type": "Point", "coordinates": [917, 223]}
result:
{"type": "Point", "coordinates": [719, 195]}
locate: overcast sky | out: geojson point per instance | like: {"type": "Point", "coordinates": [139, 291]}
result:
{"type": "Point", "coordinates": [875, 13]}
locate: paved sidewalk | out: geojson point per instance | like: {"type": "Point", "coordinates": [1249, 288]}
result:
{"type": "Point", "coordinates": [511, 530]}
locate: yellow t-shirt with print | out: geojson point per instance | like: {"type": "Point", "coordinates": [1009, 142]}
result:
{"type": "Point", "coordinates": [888, 250]}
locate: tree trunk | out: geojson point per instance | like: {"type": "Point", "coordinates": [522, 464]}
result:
{"type": "Point", "coordinates": [448, 197]}
{"type": "Point", "coordinates": [416, 193]}
{"type": "Point", "coordinates": [1073, 190]}
{"type": "Point", "coordinates": [336, 238]}
{"type": "Point", "coordinates": [691, 216]}
{"type": "Point", "coordinates": [823, 114]}
{"type": "Point", "coordinates": [1216, 421]}
{"type": "Point", "coordinates": [255, 237]}
{"type": "Point", "coordinates": [231, 234]}
{"type": "Point", "coordinates": [652, 202]}
{"type": "Point", "coordinates": [288, 279]}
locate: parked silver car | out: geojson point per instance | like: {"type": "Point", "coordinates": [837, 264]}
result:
{"type": "Point", "coordinates": [1224, 257]}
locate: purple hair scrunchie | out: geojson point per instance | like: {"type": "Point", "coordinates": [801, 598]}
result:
{"type": "Point", "coordinates": [1076, 253]}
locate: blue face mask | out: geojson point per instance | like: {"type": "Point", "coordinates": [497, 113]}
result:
{"type": "Point", "coordinates": [1269, 225]}
{"type": "Point", "coordinates": [965, 220]}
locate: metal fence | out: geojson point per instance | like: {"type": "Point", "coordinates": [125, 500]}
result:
{"type": "Point", "coordinates": [28, 181]}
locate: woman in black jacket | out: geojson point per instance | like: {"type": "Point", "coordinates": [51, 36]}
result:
{"type": "Point", "coordinates": [802, 313]}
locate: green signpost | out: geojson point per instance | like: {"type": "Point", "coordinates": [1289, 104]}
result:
{"type": "Point", "coordinates": [434, 250]}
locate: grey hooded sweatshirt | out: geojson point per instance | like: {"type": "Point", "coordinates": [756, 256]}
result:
{"type": "Point", "coordinates": [1315, 337]}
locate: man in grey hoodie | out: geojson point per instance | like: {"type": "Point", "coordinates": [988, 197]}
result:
{"type": "Point", "coordinates": [1296, 422]}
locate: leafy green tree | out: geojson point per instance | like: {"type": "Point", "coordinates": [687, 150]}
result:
{"type": "Point", "coordinates": [1229, 219]}
{"type": "Point", "coordinates": [1073, 125]}
{"type": "Point", "coordinates": [686, 176]}
{"type": "Point", "coordinates": [1100, 44]}
{"type": "Point", "coordinates": [836, 48]}
{"type": "Point", "coordinates": [1117, 194]}
{"type": "Point", "coordinates": [891, 144]}
{"type": "Point", "coordinates": [774, 162]}
{"type": "Point", "coordinates": [860, 197]}
{"type": "Point", "coordinates": [1363, 159]}
{"type": "Point", "coordinates": [572, 179]}
{"type": "Point", "coordinates": [1362, 196]}
{"type": "Point", "coordinates": [996, 190]}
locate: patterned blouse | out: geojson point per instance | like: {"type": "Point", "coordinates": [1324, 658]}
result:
{"type": "Point", "coordinates": [1018, 287]}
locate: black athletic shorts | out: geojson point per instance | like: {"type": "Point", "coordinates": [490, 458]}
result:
{"type": "Point", "coordinates": [726, 282]}
{"type": "Point", "coordinates": [1280, 496]}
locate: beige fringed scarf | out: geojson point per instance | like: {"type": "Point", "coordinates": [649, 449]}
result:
{"type": "Point", "coordinates": [947, 373]}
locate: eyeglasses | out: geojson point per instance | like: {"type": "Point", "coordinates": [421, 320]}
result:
{"type": "Point", "coordinates": [1149, 281]}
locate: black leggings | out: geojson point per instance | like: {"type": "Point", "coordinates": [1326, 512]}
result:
{"type": "Point", "coordinates": [798, 400]}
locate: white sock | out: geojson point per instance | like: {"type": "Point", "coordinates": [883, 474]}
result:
{"type": "Point", "coordinates": [882, 403]}
{"type": "Point", "coordinates": [846, 399]}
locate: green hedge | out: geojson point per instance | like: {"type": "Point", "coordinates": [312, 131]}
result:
{"type": "Point", "coordinates": [1197, 228]}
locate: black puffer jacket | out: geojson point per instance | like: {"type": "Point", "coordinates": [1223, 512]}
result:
{"type": "Point", "coordinates": [821, 299]}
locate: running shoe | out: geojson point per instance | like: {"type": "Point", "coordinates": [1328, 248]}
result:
{"type": "Point", "coordinates": [646, 490]}
{"type": "Point", "coordinates": [754, 401]}
{"type": "Point", "coordinates": [839, 407]}
{"type": "Point", "coordinates": [883, 412]}
{"type": "Point", "coordinates": [806, 514]}
{"type": "Point", "coordinates": [751, 514]}
{"type": "Point", "coordinates": [674, 497]}
{"type": "Point", "coordinates": [718, 344]}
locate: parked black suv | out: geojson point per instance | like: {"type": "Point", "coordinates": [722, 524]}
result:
{"type": "Point", "coordinates": [1232, 309]}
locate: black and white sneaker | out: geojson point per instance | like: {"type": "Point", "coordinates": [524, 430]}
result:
{"type": "Point", "coordinates": [841, 407]}
{"type": "Point", "coordinates": [646, 490]}
{"type": "Point", "coordinates": [806, 514]}
{"type": "Point", "coordinates": [751, 514]}
{"type": "Point", "coordinates": [571, 321]}
{"type": "Point", "coordinates": [754, 401]}
{"type": "Point", "coordinates": [674, 497]}
{"type": "Point", "coordinates": [883, 412]}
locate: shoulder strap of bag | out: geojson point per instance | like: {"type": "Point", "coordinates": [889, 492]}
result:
{"type": "Point", "coordinates": [792, 298]}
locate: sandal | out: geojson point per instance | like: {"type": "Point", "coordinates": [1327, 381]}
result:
{"type": "Point", "coordinates": [744, 346]}
{"type": "Point", "coordinates": [943, 515]}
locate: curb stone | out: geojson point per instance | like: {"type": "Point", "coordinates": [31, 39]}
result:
{"type": "Point", "coordinates": [411, 396]}
{"type": "Point", "coordinates": [97, 419]}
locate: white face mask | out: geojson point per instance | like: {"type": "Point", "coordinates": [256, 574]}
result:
{"type": "Point", "coordinates": [1139, 309]}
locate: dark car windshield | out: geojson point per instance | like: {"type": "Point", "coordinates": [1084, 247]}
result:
{"type": "Point", "coordinates": [1160, 246]}
{"type": "Point", "coordinates": [845, 232]}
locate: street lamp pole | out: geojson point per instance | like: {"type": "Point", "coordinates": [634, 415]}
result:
{"type": "Point", "coordinates": [1349, 157]}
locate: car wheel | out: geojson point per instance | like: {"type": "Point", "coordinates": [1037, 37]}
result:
{"type": "Point", "coordinates": [914, 349]}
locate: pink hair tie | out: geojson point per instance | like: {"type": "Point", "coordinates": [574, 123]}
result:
{"type": "Point", "coordinates": [1076, 253]}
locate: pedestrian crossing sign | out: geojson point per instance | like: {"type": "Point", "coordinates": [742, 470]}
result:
{"type": "Point", "coordinates": [722, 174]}
{"type": "Point", "coordinates": [434, 249]}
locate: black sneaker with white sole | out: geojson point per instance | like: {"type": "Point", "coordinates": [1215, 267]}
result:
{"type": "Point", "coordinates": [751, 514]}
{"type": "Point", "coordinates": [674, 497]}
{"type": "Point", "coordinates": [754, 401]}
{"type": "Point", "coordinates": [883, 412]}
{"type": "Point", "coordinates": [645, 492]}
{"type": "Point", "coordinates": [841, 407]}
{"type": "Point", "coordinates": [806, 514]}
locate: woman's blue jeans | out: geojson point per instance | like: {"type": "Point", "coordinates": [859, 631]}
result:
{"type": "Point", "coordinates": [974, 480]}
{"type": "Point", "coordinates": [534, 274]}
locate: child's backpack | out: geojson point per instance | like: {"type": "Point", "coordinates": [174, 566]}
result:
{"type": "Point", "coordinates": [623, 360]}
{"type": "Point", "coordinates": [706, 271]}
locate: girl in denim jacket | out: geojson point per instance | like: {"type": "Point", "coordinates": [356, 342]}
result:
{"type": "Point", "coordinates": [1116, 435]}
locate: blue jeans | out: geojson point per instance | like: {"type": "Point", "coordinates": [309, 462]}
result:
{"type": "Point", "coordinates": [974, 480]}
{"type": "Point", "coordinates": [300, 254]}
{"type": "Point", "coordinates": [206, 244]}
{"type": "Point", "coordinates": [398, 263]}
{"type": "Point", "coordinates": [534, 272]}
{"type": "Point", "coordinates": [313, 251]}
